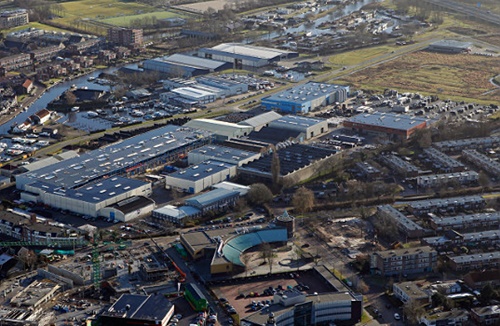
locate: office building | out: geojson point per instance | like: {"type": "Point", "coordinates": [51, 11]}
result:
{"type": "Point", "coordinates": [416, 260]}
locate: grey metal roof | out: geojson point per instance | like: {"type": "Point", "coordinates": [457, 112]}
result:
{"type": "Point", "coordinates": [201, 170]}
{"type": "Point", "coordinates": [136, 306]}
{"type": "Point", "coordinates": [191, 61]}
{"type": "Point", "coordinates": [116, 157]}
{"type": "Point", "coordinates": [304, 93]}
{"type": "Point", "coordinates": [488, 256]}
{"type": "Point", "coordinates": [465, 219]}
{"type": "Point", "coordinates": [210, 197]}
{"type": "Point", "coordinates": [223, 153]}
{"type": "Point", "coordinates": [261, 119]}
{"type": "Point", "coordinates": [94, 192]}
{"type": "Point", "coordinates": [249, 51]}
{"type": "Point", "coordinates": [388, 120]}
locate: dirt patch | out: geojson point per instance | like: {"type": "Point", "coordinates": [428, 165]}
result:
{"type": "Point", "coordinates": [460, 75]}
{"type": "Point", "coordinates": [466, 31]}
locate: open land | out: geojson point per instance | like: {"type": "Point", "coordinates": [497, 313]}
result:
{"type": "Point", "coordinates": [126, 20]}
{"type": "Point", "coordinates": [460, 76]}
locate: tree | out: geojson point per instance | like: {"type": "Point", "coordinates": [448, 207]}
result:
{"type": "Point", "coordinates": [275, 167]}
{"type": "Point", "coordinates": [413, 311]}
{"type": "Point", "coordinates": [268, 256]}
{"type": "Point", "coordinates": [259, 194]}
{"type": "Point", "coordinates": [488, 293]}
{"type": "Point", "coordinates": [245, 259]}
{"type": "Point", "coordinates": [385, 227]}
{"type": "Point", "coordinates": [303, 200]}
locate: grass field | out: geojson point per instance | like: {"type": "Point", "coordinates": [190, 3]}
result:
{"type": "Point", "coordinates": [124, 21]}
{"type": "Point", "coordinates": [355, 57]}
{"type": "Point", "coordinates": [114, 12]}
{"type": "Point", "coordinates": [34, 25]}
{"type": "Point", "coordinates": [464, 77]}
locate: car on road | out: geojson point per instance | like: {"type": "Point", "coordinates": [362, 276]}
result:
{"type": "Point", "coordinates": [397, 316]}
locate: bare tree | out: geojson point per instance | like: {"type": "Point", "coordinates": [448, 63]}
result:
{"type": "Point", "coordinates": [303, 200]}
{"type": "Point", "coordinates": [245, 259]}
{"type": "Point", "coordinates": [268, 256]}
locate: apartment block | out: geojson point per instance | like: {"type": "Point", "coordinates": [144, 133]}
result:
{"type": "Point", "coordinates": [13, 18]}
{"type": "Point", "coordinates": [482, 161]}
{"type": "Point", "coordinates": [405, 224]}
{"type": "Point", "coordinates": [461, 144]}
{"type": "Point", "coordinates": [399, 165]}
{"type": "Point", "coordinates": [460, 222]}
{"type": "Point", "coordinates": [475, 261]}
{"type": "Point", "coordinates": [443, 162]}
{"type": "Point", "coordinates": [125, 36]}
{"type": "Point", "coordinates": [434, 180]}
{"type": "Point", "coordinates": [404, 261]}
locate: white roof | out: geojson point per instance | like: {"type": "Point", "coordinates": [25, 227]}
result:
{"type": "Point", "coordinates": [192, 92]}
{"type": "Point", "coordinates": [217, 127]}
{"type": "Point", "coordinates": [261, 119]}
{"type": "Point", "coordinates": [249, 50]}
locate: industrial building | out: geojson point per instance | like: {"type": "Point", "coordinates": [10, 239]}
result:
{"type": "Point", "coordinates": [222, 130]}
{"type": "Point", "coordinates": [214, 201]}
{"type": "Point", "coordinates": [229, 87]}
{"type": "Point", "coordinates": [308, 127]}
{"type": "Point", "coordinates": [298, 162]}
{"type": "Point", "coordinates": [240, 55]}
{"type": "Point", "coordinates": [88, 183]}
{"type": "Point", "coordinates": [91, 199]}
{"type": "Point", "coordinates": [182, 65]}
{"type": "Point", "coordinates": [243, 190]}
{"type": "Point", "coordinates": [394, 125]}
{"type": "Point", "coordinates": [416, 260]}
{"type": "Point", "coordinates": [449, 46]}
{"type": "Point", "coordinates": [200, 177]}
{"type": "Point", "coordinates": [196, 95]}
{"type": "Point", "coordinates": [135, 309]}
{"type": "Point", "coordinates": [260, 121]}
{"type": "Point", "coordinates": [129, 209]}
{"type": "Point", "coordinates": [306, 98]}
{"type": "Point", "coordinates": [222, 154]}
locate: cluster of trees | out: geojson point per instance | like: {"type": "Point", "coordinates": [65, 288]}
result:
{"type": "Point", "coordinates": [40, 10]}
{"type": "Point", "coordinates": [386, 228]}
{"type": "Point", "coordinates": [421, 10]}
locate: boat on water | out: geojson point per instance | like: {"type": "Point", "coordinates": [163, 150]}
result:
{"type": "Point", "coordinates": [90, 79]}
{"type": "Point", "coordinates": [75, 109]}
{"type": "Point", "coordinates": [92, 114]}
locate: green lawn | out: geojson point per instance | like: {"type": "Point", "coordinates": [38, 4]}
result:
{"type": "Point", "coordinates": [124, 21]}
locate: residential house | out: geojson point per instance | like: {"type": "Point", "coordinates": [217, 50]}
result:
{"type": "Point", "coordinates": [489, 315]}
{"type": "Point", "coordinates": [411, 292]}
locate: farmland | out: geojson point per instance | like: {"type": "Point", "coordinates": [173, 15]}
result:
{"type": "Point", "coordinates": [464, 77]}
{"type": "Point", "coordinates": [357, 56]}
{"type": "Point", "coordinates": [94, 15]}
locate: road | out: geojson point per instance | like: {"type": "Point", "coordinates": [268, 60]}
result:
{"type": "Point", "coordinates": [468, 10]}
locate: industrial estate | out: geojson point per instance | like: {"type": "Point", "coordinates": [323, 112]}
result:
{"type": "Point", "coordinates": [254, 163]}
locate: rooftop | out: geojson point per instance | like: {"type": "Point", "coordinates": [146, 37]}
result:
{"type": "Point", "coordinates": [192, 92]}
{"type": "Point", "coordinates": [177, 212]}
{"type": "Point", "coordinates": [304, 93]}
{"type": "Point", "coordinates": [132, 204]}
{"type": "Point", "coordinates": [191, 61]}
{"type": "Point", "coordinates": [108, 160]}
{"type": "Point", "coordinates": [261, 119]}
{"type": "Point", "coordinates": [465, 259]}
{"type": "Point", "coordinates": [210, 197]}
{"type": "Point", "coordinates": [295, 120]}
{"type": "Point", "coordinates": [140, 307]}
{"type": "Point", "coordinates": [388, 120]}
{"type": "Point", "coordinates": [201, 170]}
{"type": "Point", "coordinates": [239, 49]}
{"type": "Point", "coordinates": [292, 158]}
{"type": "Point", "coordinates": [412, 290]}
{"type": "Point", "coordinates": [223, 153]}
{"type": "Point", "coordinates": [93, 192]}
{"type": "Point", "coordinates": [405, 252]}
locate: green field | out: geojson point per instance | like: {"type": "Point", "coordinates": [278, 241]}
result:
{"type": "Point", "coordinates": [34, 25]}
{"type": "Point", "coordinates": [95, 15]}
{"type": "Point", "coordinates": [124, 21]}
{"type": "Point", "coordinates": [357, 56]}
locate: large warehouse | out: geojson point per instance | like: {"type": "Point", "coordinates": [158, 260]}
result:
{"type": "Point", "coordinates": [223, 130]}
{"type": "Point", "coordinates": [88, 183]}
{"type": "Point", "coordinates": [240, 55]}
{"type": "Point", "coordinates": [199, 177]}
{"type": "Point", "coordinates": [305, 98]}
{"type": "Point", "coordinates": [395, 125]}
{"type": "Point", "coordinates": [185, 65]}
{"type": "Point", "coordinates": [308, 127]}
{"type": "Point", "coordinates": [221, 153]}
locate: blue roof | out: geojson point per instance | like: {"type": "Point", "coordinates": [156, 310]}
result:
{"type": "Point", "coordinates": [212, 196]}
{"type": "Point", "coordinates": [304, 93]}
